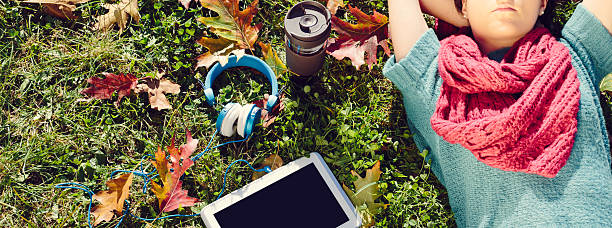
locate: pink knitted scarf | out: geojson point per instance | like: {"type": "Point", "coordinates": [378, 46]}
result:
{"type": "Point", "coordinates": [518, 115]}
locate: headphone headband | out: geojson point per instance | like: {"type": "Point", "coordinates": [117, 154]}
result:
{"type": "Point", "coordinates": [248, 61]}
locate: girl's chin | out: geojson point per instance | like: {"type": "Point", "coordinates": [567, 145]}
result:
{"type": "Point", "coordinates": [502, 32]}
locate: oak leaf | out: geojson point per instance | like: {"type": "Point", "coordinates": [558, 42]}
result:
{"type": "Point", "coordinates": [271, 58]}
{"type": "Point", "coordinates": [367, 193]}
{"type": "Point", "coordinates": [232, 26]}
{"type": "Point", "coordinates": [112, 200]}
{"type": "Point", "coordinates": [273, 161]}
{"type": "Point", "coordinates": [59, 8]}
{"type": "Point", "coordinates": [356, 40]}
{"type": "Point", "coordinates": [118, 14]}
{"type": "Point", "coordinates": [171, 196]}
{"type": "Point", "coordinates": [156, 88]}
{"type": "Point", "coordinates": [103, 88]}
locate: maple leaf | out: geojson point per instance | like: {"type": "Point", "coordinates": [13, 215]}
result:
{"type": "Point", "coordinates": [367, 193]}
{"type": "Point", "coordinates": [112, 200]}
{"type": "Point", "coordinates": [104, 88]}
{"type": "Point", "coordinates": [59, 8]}
{"type": "Point", "coordinates": [171, 196]}
{"type": "Point", "coordinates": [233, 27]}
{"type": "Point", "coordinates": [267, 118]}
{"type": "Point", "coordinates": [271, 58]}
{"type": "Point", "coordinates": [273, 161]}
{"type": "Point", "coordinates": [363, 38]}
{"type": "Point", "coordinates": [156, 88]}
{"type": "Point", "coordinates": [118, 14]}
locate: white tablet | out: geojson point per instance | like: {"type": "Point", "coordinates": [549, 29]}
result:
{"type": "Point", "coordinates": [303, 193]}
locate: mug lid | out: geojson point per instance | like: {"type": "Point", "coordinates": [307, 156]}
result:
{"type": "Point", "coordinates": [307, 21]}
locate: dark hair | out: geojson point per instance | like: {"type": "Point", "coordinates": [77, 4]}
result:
{"type": "Point", "coordinates": [550, 20]}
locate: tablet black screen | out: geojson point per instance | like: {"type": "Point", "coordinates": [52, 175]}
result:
{"type": "Point", "coordinates": [301, 199]}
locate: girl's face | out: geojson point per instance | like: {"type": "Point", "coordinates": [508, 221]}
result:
{"type": "Point", "coordinates": [502, 20]}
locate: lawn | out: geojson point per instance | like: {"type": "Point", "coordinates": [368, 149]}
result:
{"type": "Point", "coordinates": [50, 134]}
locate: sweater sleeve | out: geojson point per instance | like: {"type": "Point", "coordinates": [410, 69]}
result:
{"type": "Point", "coordinates": [584, 31]}
{"type": "Point", "coordinates": [417, 73]}
{"type": "Point", "coordinates": [416, 77]}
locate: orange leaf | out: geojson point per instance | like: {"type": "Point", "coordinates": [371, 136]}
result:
{"type": "Point", "coordinates": [112, 200]}
{"type": "Point", "coordinates": [363, 38]}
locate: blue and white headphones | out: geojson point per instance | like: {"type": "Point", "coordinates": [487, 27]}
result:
{"type": "Point", "coordinates": [235, 117]}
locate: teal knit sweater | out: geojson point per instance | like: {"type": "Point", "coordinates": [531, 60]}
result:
{"type": "Point", "coordinates": [579, 196]}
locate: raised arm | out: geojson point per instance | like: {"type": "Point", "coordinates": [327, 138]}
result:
{"type": "Point", "coordinates": [406, 25]}
{"type": "Point", "coordinates": [602, 10]}
{"type": "Point", "coordinates": [445, 10]}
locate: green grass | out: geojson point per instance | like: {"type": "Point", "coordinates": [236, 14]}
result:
{"type": "Point", "coordinates": [49, 136]}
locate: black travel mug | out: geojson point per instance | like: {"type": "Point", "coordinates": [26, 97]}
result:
{"type": "Point", "coordinates": [307, 27]}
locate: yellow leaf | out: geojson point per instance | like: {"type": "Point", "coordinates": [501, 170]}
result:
{"type": "Point", "coordinates": [271, 58]}
{"type": "Point", "coordinates": [366, 193]}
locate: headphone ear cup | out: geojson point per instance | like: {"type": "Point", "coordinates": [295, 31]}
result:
{"type": "Point", "coordinates": [249, 117]}
{"type": "Point", "coordinates": [228, 127]}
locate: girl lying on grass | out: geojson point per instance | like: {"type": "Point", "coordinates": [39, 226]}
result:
{"type": "Point", "coordinates": [509, 113]}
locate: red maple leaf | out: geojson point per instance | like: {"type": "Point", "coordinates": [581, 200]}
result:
{"type": "Point", "coordinates": [103, 88]}
{"type": "Point", "coordinates": [356, 40]}
{"type": "Point", "coordinates": [171, 196]}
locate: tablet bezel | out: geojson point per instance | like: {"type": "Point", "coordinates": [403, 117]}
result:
{"type": "Point", "coordinates": [208, 212]}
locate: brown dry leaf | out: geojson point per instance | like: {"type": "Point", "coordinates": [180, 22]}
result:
{"type": "Point", "coordinates": [59, 8]}
{"type": "Point", "coordinates": [274, 161]}
{"type": "Point", "coordinates": [111, 201]}
{"type": "Point", "coordinates": [118, 14]}
{"type": "Point", "coordinates": [156, 89]}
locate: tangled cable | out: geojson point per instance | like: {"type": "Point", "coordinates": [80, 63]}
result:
{"type": "Point", "coordinates": [147, 178]}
